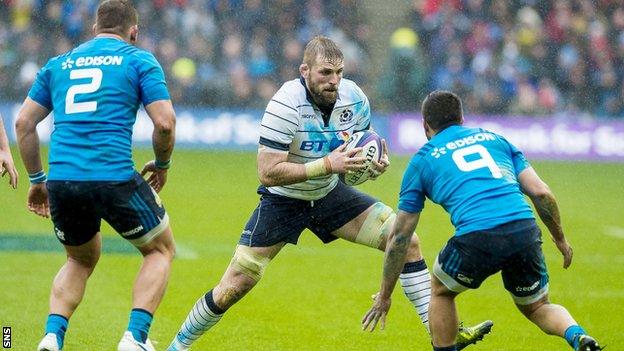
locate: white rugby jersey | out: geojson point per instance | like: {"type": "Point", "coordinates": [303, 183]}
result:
{"type": "Point", "coordinates": [293, 123]}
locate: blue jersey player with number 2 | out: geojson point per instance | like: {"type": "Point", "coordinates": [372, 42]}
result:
{"type": "Point", "coordinates": [480, 179]}
{"type": "Point", "coordinates": [94, 92]}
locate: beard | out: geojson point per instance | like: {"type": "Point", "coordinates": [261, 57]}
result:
{"type": "Point", "coordinates": [324, 97]}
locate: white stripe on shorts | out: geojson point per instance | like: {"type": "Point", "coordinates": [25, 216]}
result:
{"type": "Point", "coordinates": [446, 279]}
{"type": "Point", "coordinates": [152, 234]}
{"type": "Point", "coordinates": [527, 300]}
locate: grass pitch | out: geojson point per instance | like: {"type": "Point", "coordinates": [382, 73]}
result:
{"type": "Point", "coordinates": [312, 296]}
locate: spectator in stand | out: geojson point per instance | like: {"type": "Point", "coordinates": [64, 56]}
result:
{"type": "Point", "coordinates": [404, 81]}
{"type": "Point", "coordinates": [527, 57]}
{"type": "Point", "coordinates": [494, 53]}
{"type": "Point", "coordinates": [189, 35]}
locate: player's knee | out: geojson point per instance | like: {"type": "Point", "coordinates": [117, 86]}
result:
{"type": "Point", "coordinates": [168, 249]}
{"type": "Point", "coordinates": [249, 263]}
{"type": "Point", "coordinates": [376, 227]}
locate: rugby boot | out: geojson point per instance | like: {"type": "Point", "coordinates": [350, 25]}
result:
{"type": "Point", "coordinates": [129, 343]}
{"type": "Point", "coordinates": [49, 343]}
{"type": "Point", "coordinates": [470, 335]}
{"type": "Point", "coordinates": [587, 343]}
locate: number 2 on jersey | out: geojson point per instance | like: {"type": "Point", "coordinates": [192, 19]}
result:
{"type": "Point", "coordinates": [71, 106]}
{"type": "Point", "coordinates": [485, 160]}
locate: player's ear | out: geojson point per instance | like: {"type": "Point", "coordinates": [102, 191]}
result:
{"type": "Point", "coordinates": [427, 129]}
{"type": "Point", "coordinates": [134, 34]}
{"type": "Point", "coordinates": [304, 70]}
{"type": "Point", "coordinates": [94, 28]}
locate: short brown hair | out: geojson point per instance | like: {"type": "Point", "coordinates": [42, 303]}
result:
{"type": "Point", "coordinates": [323, 47]}
{"type": "Point", "coordinates": [115, 17]}
{"type": "Point", "coordinates": [441, 109]}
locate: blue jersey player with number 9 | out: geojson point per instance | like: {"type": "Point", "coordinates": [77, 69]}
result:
{"type": "Point", "coordinates": [480, 179]}
{"type": "Point", "coordinates": [95, 91]}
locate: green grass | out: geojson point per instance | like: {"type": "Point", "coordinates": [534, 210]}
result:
{"type": "Point", "coordinates": [313, 296]}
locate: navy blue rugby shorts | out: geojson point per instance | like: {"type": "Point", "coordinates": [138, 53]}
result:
{"type": "Point", "coordinates": [132, 208]}
{"type": "Point", "coordinates": [282, 219]}
{"type": "Point", "coordinates": [514, 248]}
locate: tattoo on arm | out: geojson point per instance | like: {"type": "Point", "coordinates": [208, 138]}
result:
{"type": "Point", "coordinates": [395, 258]}
{"type": "Point", "coordinates": [548, 211]}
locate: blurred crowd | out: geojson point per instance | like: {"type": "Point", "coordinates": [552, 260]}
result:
{"type": "Point", "coordinates": [221, 53]}
{"type": "Point", "coordinates": [523, 57]}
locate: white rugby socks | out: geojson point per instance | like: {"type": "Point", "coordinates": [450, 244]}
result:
{"type": "Point", "coordinates": [416, 284]}
{"type": "Point", "coordinates": [202, 317]}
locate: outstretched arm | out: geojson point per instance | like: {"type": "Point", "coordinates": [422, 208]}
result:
{"type": "Point", "coordinates": [546, 206]}
{"type": "Point", "coordinates": [29, 116]}
{"type": "Point", "coordinates": [394, 260]}
{"type": "Point", "coordinates": [6, 159]}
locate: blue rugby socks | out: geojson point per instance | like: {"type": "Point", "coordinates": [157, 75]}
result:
{"type": "Point", "coordinates": [572, 335]}
{"type": "Point", "coordinates": [57, 325]}
{"type": "Point", "coordinates": [139, 325]}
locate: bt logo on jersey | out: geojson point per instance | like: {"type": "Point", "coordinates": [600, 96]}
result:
{"type": "Point", "coordinates": [312, 145]}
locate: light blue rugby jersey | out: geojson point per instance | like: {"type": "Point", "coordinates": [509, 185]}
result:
{"type": "Point", "coordinates": [473, 174]}
{"type": "Point", "coordinates": [95, 91]}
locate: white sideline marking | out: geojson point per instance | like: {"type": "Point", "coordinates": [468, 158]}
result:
{"type": "Point", "coordinates": [185, 252]}
{"type": "Point", "coordinates": [615, 232]}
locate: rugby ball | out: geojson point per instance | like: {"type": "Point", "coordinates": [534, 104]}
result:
{"type": "Point", "coordinates": [370, 143]}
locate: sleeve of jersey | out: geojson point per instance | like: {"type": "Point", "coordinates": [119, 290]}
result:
{"type": "Point", "coordinates": [411, 197]}
{"type": "Point", "coordinates": [279, 123]}
{"type": "Point", "coordinates": [365, 115]}
{"type": "Point", "coordinates": [40, 90]}
{"type": "Point", "coordinates": [519, 161]}
{"type": "Point", "coordinates": [152, 84]}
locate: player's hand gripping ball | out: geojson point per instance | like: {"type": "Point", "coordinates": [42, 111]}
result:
{"type": "Point", "coordinates": [370, 142]}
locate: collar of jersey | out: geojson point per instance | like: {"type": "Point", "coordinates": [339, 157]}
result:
{"type": "Point", "coordinates": [446, 131]}
{"type": "Point", "coordinates": [98, 37]}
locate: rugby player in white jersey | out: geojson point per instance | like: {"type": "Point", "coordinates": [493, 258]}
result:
{"type": "Point", "coordinates": [300, 155]}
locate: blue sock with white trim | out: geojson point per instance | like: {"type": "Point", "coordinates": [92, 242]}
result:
{"type": "Point", "coordinates": [139, 325]}
{"type": "Point", "coordinates": [416, 283]}
{"type": "Point", "coordinates": [57, 324]}
{"type": "Point", "coordinates": [571, 335]}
